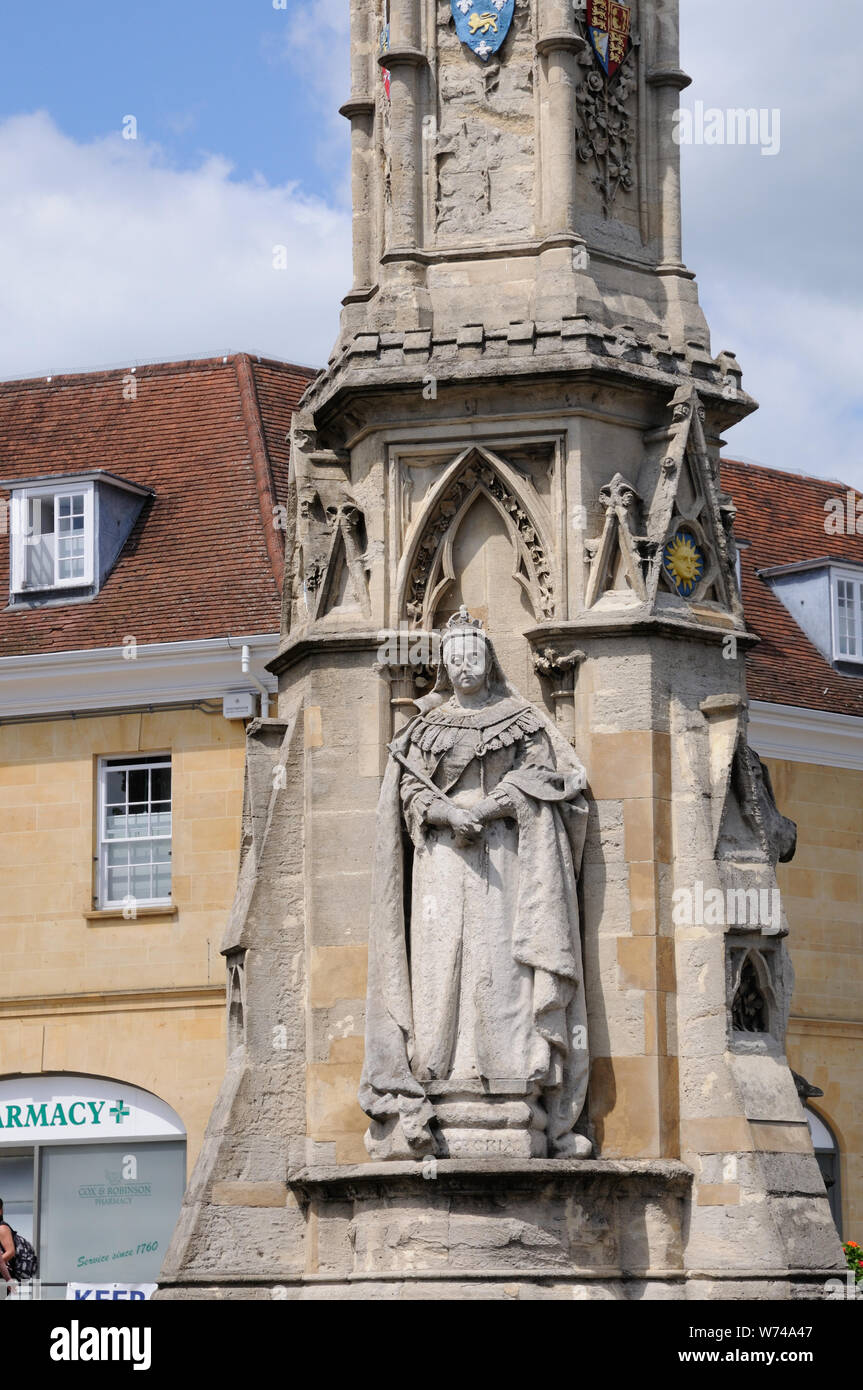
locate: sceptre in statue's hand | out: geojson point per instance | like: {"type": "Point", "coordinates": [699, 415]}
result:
{"type": "Point", "coordinates": [466, 828]}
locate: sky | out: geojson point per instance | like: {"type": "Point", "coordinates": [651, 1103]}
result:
{"type": "Point", "coordinates": [116, 250]}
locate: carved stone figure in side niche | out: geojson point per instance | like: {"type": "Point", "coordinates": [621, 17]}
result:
{"type": "Point", "coordinates": [776, 833]}
{"type": "Point", "coordinates": [332, 537]}
{"type": "Point", "coordinates": [476, 1039]}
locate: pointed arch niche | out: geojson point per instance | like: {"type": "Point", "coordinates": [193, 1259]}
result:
{"type": "Point", "coordinates": [477, 496]}
{"type": "Point", "coordinates": [480, 539]}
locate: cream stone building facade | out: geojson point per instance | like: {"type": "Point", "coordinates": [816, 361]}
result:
{"type": "Point", "coordinates": [801, 563]}
{"type": "Point", "coordinates": [133, 653]}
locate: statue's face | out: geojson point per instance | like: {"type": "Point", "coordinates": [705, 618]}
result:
{"type": "Point", "coordinates": [465, 661]}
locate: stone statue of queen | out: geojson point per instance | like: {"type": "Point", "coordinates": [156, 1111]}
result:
{"type": "Point", "coordinates": [476, 1035]}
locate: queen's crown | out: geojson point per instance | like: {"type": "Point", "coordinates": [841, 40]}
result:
{"type": "Point", "coordinates": [463, 622]}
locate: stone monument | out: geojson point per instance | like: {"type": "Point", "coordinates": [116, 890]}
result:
{"type": "Point", "coordinates": [508, 867]}
{"type": "Point", "coordinates": [475, 1014]}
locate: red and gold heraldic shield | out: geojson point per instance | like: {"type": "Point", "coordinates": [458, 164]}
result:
{"type": "Point", "coordinates": [609, 25]}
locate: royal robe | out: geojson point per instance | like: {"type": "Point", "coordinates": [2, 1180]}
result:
{"type": "Point", "coordinates": [484, 979]}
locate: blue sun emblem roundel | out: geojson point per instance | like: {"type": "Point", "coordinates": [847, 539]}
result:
{"type": "Point", "coordinates": [683, 562]}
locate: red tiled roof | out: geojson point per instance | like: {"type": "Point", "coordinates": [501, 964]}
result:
{"type": "Point", "coordinates": [208, 437]}
{"type": "Point", "coordinates": [782, 516]}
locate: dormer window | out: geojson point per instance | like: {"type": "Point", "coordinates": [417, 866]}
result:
{"type": "Point", "coordinates": [52, 538]}
{"type": "Point", "coordinates": [67, 534]}
{"type": "Point", "coordinates": [847, 594]}
{"type": "Point", "coordinates": [826, 600]}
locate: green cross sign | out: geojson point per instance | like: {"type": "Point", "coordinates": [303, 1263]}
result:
{"type": "Point", "coordinates": [119, 1111]}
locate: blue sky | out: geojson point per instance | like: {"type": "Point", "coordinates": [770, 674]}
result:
{"type": "Point", "coordinates": [116, 251]}
{"type": "Point", "coordinates": [201, 78]}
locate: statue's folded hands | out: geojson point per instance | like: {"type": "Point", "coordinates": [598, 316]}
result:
{"type": "Point", "coordinates": [465, 825]}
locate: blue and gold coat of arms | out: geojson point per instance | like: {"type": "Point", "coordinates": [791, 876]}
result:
{"type": "Point", "coordinates": [483, 24]}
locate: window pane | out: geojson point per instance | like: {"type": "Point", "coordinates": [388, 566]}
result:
{"type": "Point", "coordinates": [161, 851]}
{"type": "Point", "coordinates": [161, 780]}
{"type": "Point", "coordinates": [160, 823]}
{"type": "Point", "coordinates": [70, 569]}
{"type": "Point", "coordinates": [115, 824]}
{"type": "Point", "coordinates": [139, 784]}
{"type": "Point", "coordinates": [40, 516]}
{"type": "Point", "coordinates": [162, 881]}
{"type": "Point", "coordinates": [115, 788]}
{"type": "Point", "coordinates": [90, 1210]}
{"type": "Point", "coordinates": [139, 821]}
{"type": "Point", "coordinates": [70, 505]}
{"type": "Point", "coordinates": [118, 885]}
{"type": "Point", "coordinates": [70, 547]}
{"type": "Point", "coordinates": [140, 882]}
{"type": "Point", "coordinates": [118, 854]}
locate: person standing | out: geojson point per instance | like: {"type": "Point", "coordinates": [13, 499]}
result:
{"type": "Point", "coordinates": [7, 1251]}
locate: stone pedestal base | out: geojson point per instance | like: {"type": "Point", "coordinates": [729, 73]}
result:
{"type": "Point", "coordinates": [487, 1229]}
{"type": "Point", "coordinates": [473, 1123]}
{"type": "Point", "coordinates": [450, 1228]}
{"type": "Point", "coordinates": [477, 1120]}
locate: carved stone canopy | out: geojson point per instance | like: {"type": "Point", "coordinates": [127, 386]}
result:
{"type": "Point", "coordinates": [428, 573]}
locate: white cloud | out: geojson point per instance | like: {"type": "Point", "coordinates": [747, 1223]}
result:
{"type": "Point", "coordinates": [111, 255]}
{"type": "Point", "coordinates": [775, 241]}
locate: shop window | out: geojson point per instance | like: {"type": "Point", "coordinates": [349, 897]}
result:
{"type": "Point", "coordinates": [16, 1189]}
{"type": "Point", "coordinates": [107, 1211]}
{"type": "Point", "coordinates": [134, 832]}
{"type": "Point", "coordinates": [92, 1173]}
{"type": "Point", "coordinates": [827, 1155]}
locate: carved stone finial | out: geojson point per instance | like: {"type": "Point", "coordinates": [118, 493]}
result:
{"type": "Point", "coordinates": [462, 622]}
{"type": "Point", "coordinates": [805, 1089]}
{"type": "Point", "coordinates": [555, 666]}
{"type": "Point", "coordinates": [619, 493]}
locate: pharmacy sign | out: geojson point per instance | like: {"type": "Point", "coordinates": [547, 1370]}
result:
{"type": "Point", "coordinates": [53, 1109]}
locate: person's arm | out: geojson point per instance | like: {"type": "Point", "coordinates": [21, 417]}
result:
{"type": "Point", "coordinates": [7, 1244]}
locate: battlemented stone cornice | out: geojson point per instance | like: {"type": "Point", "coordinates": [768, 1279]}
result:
{"type": "Point", "coordinates": [578, 344]}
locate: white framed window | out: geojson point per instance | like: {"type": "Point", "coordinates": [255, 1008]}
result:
{"type": "Point", "coordinates": [52, 537]}
{"type": "Point", "coordinates": [846, 588]}
{"type": "Point", "coordinates": [135, 831]}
